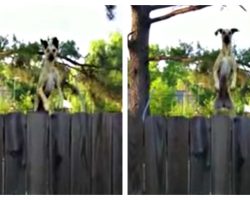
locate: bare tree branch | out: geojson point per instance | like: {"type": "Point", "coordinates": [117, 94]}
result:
{"type": "Point", "coordinates": [177, 12]}
{"type": "Point", "coordinates": [243, 63]}
{"type": "Point", "coordinates": [83, 65]}
{"type": "Point", "coordinates": [4, 54]}
{"type": "Point", "coordinates": [88, 65]}
{"type": "Point", "coordinates": [243, 8]}
{"type": "Point", "coordinates": [77, 63]}
{"type": "Point", "coordinates": [184, 59]}
{"type": "Point", "coordinates": [187, 60]}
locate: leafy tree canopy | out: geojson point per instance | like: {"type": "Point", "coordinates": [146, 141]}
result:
{"type": "Point", "coordinates": [182, 82]}
{"type": "Point", "coordinates": [94, 85]}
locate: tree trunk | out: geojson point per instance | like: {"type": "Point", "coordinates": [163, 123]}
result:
{"type": "Point", "coordinates": [138, 64]}
{"type": "Point", "coordinates": [138, 40]}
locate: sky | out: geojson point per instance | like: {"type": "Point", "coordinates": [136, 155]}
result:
{"type": "Point", "coordinates": [200, 26]}
{"type": "Point", "coordinates": [81, 22]}
{"type": "Point", "coordinates": [32, 20]}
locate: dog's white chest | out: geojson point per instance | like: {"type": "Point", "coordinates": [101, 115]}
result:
{"type": "Point", "coordinates": [50, 82]}
{"type": "Point", "coordinates": [226, 66]}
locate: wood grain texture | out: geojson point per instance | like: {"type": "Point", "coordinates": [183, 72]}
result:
{"type": "Point", "coordinates": [101, 153]}
{"type": "Point", "coordinates": [200, 146]}
{"type": "Point", "coordinates": [15, 143]}
{"type": "Point", "coordinates": [155, 154]}
{"type": "Point", "coordinates": [1, 154]}
{"type": "Point", "coordinates": [81, 154]}
{"type": "Point", "coordinates": [135, 155]}
{"type": "Point", "coordinates": [178, 155]}
{"type": "Point", "coordinates": [37, 153]}
{"type": "Point", "coordinates": [59, 155]}
{"type": "Point", "coordinates": [117, 153]}
{"type": "Point", "coordinates": [221, 138]}
{"type": "Point", "coordinates": [241, 156]}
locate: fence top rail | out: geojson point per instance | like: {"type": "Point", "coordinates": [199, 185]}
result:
{"type": "Point", "coordinates": [195, 117]}
{"type": "Point", "coordinates": [62, 113]}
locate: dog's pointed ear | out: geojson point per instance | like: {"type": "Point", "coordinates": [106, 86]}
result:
{"type": "Point", "coordinates": [233, 30]}
{"type": "Point", "coordinates": [218, 31]}
{"type": "Point", "coordinates": [44, 43]}
{"type": "Point", "coordinates": [55, 42]}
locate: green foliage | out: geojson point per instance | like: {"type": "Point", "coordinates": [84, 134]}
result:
{"type": "Point", "coordinates": [192, 80]}
{"type": "Point", "coordinates": [98, 84]}
{"type": "Point", "coordinates": [69, 48]}
{"type": "Point", "coordinates": [107, 57]}
{"type": "Point", "coordinates": [5, 105]}
{"type": "Point", "coordinates": [106, 54]}
{"type": "Point", "coordinates": [162, 97]}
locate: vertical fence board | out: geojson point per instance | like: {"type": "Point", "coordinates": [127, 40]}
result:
{"type": "Point", "coordinates": [242, 155]}
{"type": "Point", "coordinates": [1, 154]}
{"type": "Point", "coordinates": [117, 154]}
{"type": "Point", "coordinates": [61, 154]}
{"type": "Point", "coordinates": [135, 155]}
{"type": "Point", "coordinates": [81, 166]}
{"type": "Point", "coordinates": [14, 154]}
{"type": "Point", "coordinates": [155, 155]}
{"type": "Point", "coordinates": [199, 156]}
{"type": "Point", "coordinates": [101, 149]}
{"type": "Point", "coordinates": [37, 153]}
{"type": "Point", "coordinates": [177, 146]}
{"type": "Point", "coordinates": [237, 157]}
{"type": "Point", "coordinates": [221, 154]}
{"type": "Point", "coordinates": [59, 158]}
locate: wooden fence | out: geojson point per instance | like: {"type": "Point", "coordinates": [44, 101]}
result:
{"type": "Point", "coordinates": [61, 154]}
{"type": "Point", "coordinates": [189, 156]}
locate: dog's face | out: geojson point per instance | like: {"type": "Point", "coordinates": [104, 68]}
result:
{"type": "Point", "coordinates": [50, 48]}
{"type": "Point", "coordinates": [226, 34]}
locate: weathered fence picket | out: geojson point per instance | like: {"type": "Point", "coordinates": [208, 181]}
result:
{"type": "Point", "coordinates": [80, 154]}
{"type": "Point", "coordinates": [221, 151]}
{"type": "Point", "coordinates": [199, 156]}
{"type": "Point", "coordinates": [155, 137]}
{"type": "Point", "coordinates": [61, 154]}
{"type": "Point", "coordinates": [177, 162]}
{"type": "Point", "coordinates": [135, 156]}
{"type": "Point", "coordinates": [37, 153]}
{"type": "Point", "coordinates": [14, 176]}
{"type": "Point", "coordinates": [189, 156]}
{"type": "Point", "coordinates": [1, 155]}
{"type": "Point", "coordinates": [117, 152]}
{"type": "Point", "coordinates": [242, 155]}
{"type": "Point", "coordinates": [101, 149]}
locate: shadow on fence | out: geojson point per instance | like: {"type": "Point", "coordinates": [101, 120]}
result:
{"type": "Point", "coordinates": [189, 156]}
{"type": "Point", "coordinates": [61, 154]}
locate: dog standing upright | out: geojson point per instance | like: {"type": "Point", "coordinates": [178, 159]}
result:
{"type": "Point", "coordinates": [225, 70]}
{"type": "Point", "coordinates": [49, 78]}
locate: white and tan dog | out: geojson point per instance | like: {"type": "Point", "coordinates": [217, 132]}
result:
{"type": "Point", "coordinates": [225, 70]}
{"type": "Point", "coordinates": [49, 78]}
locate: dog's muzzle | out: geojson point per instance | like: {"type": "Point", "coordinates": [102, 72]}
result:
{"type": "Point", "coordinates": [226, 39]}
{"type": "Point", "coordinates": [51, 57]}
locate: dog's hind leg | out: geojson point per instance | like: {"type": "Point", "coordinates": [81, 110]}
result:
{"type": "Point", "coordinates": [43, 98]}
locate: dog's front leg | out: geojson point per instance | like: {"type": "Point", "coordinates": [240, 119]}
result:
{"type": "Point", "coordinates": [234, 76]}
{"type": "Point", "coordinates": [61, 96]}
{"type": "Point", "coordinates": [215, 74]}
{"type": "Point", "coordinates": [58, 85]}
